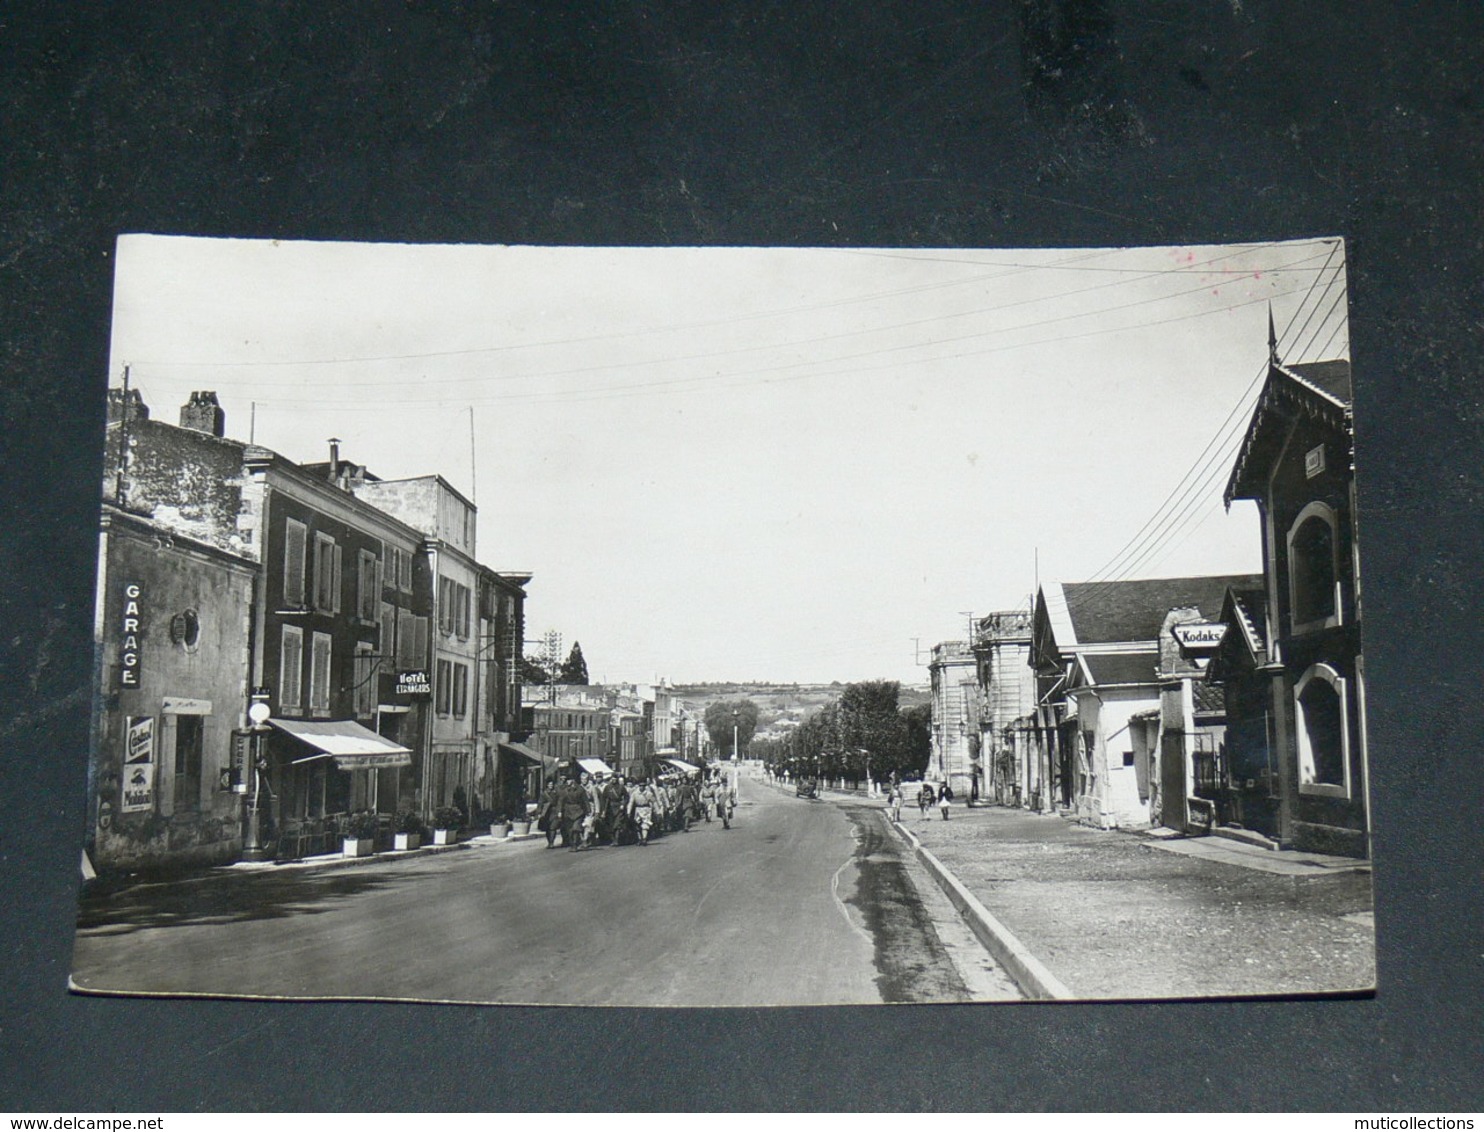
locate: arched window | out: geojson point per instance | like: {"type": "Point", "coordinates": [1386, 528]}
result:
{"type": "Point", "coordinates": [1323, 732]}
{"type": "Point", "coordinates": [1313, 569]}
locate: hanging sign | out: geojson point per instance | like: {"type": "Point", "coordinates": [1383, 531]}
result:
{"type": "Point", "coordinates": [139, 764]}
{"type": "Point", "coordinates": [1199, 636]}
{"type": "Point", "coordinates": [130, 636]}
{"type": "Point", "coordinates": [415, 684]}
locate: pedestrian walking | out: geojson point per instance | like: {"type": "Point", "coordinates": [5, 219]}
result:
{"type": "Point", "coordinates": [726, 803]}
{"type": "Point", "coordinates": [572, 799]}
{"type": "Point", "coordinates": [708, 798]}
{"type": "Point", "coordinates": [894, 801]}
{"type": "Point", "coordinates": [689, 800]}
{"type": "Point", "coordinates": [615, 808]}
{"type": "Point", "coordinates": [594, 808]}
{"type": "Point", "coordinates": [945, 796]}
{"type": "Point", "coordinates": [641, 808]}
{"type": "Point", "coordinates": [925, 798]}
{"type": "Point", "coordinates": [548, 818]}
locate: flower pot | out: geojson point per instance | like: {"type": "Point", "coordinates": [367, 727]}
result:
{"type": "Point", "coordinates": [499, 828]}
{"type": "Point", "coordinates": [357, 846]}
{"type": "Point", "coordinates": [445, 837]}
{"type": "Point", "coordinates": [521, 828]}
{"type": "Point", "coordinates": [405, 841]}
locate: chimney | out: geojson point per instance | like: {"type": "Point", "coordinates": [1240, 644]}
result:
{"type": "Point", "coordinates": [334, 458]}
{"type": "Point", "coordinates": [202, 414]}
{"type": "Point", "coordinates": [133, 408]}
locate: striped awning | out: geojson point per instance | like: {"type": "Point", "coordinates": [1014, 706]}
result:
{"type": "Point", "coordinates": [352, 746]}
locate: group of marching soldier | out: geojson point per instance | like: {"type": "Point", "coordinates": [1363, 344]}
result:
{"type": "Point", "coordinates": [589, 811]}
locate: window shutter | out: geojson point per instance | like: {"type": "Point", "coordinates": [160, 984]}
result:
{"type": "Point", "coordinates": [293, 563]}
{"type": "Point", "coordinates": [335, 580]}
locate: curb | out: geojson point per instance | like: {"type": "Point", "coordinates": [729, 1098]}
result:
{"type": "Point", "coordinates": [1028, 972]}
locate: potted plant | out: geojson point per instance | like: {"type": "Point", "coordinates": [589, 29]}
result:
{"type": "Point", "coordinates": [521, 824]}
{"type": "Point", "coordinates": [499, 824]}
{"type": "Point", "coordinates": [358, 835]}
{"type": "Point", "coordinates": [409, 834]}
{"type": "Point", "coordinates": [446, 822]}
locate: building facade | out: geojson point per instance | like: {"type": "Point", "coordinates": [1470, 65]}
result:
{"type": "Point", "coordinates": [1007, 690]}
{"type": "Point", "coordinates": [955, 756]}
{"type": "Point", "coordinates": [1296, 462]}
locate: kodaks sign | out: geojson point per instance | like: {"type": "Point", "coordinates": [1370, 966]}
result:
{"type": "Point", "coordinates": [130, 623]}
{"type": "Point", "coordinates": [1199, 636]}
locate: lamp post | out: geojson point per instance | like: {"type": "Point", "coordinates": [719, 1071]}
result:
{"type": "Point", "coordinates": [252, 842]}
{"type": "Point", "coordinates": [736, 766]}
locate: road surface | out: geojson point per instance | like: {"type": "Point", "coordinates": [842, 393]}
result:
{"type": "Point", "coordinates": [800, 902]}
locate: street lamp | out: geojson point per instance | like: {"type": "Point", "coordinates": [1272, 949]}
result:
{"type": "Point", "coordinates": [252, 843]}
{"type": "Point", "coordinates": [736, 766]}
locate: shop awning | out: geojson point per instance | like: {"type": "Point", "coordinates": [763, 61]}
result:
{"type": "Point", "coordinates": [595, 766]}
{"type": "Point", "coordinates": [529, 753]}
{"type": "Point", "coordinates": [681, 764]}
{"type": "Point", "coordinates": [352, 746]}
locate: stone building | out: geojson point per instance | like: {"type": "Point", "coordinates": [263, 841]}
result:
{"type": "Point", "coordinates": [1007, 690]}
{"type": "Point", "coordinates": [954, 756]}
{"type": "Point", "coordinates": [172, 637]}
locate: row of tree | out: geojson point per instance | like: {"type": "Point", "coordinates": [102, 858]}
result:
{"type": "Point", "coordinates": [866, 729]}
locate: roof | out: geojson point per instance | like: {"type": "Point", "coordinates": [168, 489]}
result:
{"type": "Point", "coordinates": [1121, 667]}
{"type": "Point", "coordinates": [1250, 608]}
{"type": "Point", "coordinates": [1209, 699]}
{"type": "Point", "coordinates": [1321, 390]}
{"type": "Point", "coordinates": [1134, 610]}
{"type": "Point", "coordinates": [1331, 378]}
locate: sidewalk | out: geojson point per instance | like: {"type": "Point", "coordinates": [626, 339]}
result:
{"type": "Point", "coordinates": [1119, 915]}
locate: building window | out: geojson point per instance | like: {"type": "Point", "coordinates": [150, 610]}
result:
{"type": "Point", "coordinates": [294, 536]}
{"type": "Point", "coordinates": [387, 639]}
{"type": "Point", "coordinates": [291, 669]}
{"type": "Point", "coordinates": [319, 674]}
{"type": "Point", "coordinates": [460, 690]}
{"type": "Point", "coordinates": [442, 687]}
{"type": "Point", "coordinates": [365, 679]}
{"type": "Point", "coordinates": [189, 741]}
{"type": "Point", "coordinates": [1313, 569]}
{"type": "Point", "coordinates": [368, 585]}
{"type": "Point", "coordinates": [1323, 732]}
{"type": "Point", "coordinates": [401, 569]}
{"type": "Point", "coordinates": [326, 574]}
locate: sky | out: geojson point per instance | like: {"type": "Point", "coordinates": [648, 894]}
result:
{"type": "Point", "coordinates": [757, 463]}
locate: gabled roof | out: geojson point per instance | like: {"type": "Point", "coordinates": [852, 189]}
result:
{"type": "Point", "coordinates": [1320, 390]}
{"type": "Point", "coordinates": [1134, 610]}
{"type": "Point", "coordinates": [1121, 667]}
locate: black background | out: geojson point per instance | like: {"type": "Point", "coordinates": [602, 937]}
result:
{"type": "Point", "coordinates": [822, 122]}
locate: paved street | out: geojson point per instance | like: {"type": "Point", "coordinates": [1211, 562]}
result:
{"type": "Point", "coordinates": [799, 903]}
{"type": "Point", "coordinates": [1116, 915]}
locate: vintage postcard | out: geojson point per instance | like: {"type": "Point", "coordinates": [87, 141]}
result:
{"type": "Point", "coordinates": [728, 626]}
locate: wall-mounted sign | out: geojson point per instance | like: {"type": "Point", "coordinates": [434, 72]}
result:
{"type": "Point", "coordinates": [416, 684]}
{"type": "Point", "coordinates": [1199, 636]}
{"type": "Point", "coordinates": [139, 765]}
{"type": "Point", "coordinates": [131, 634]}
{"type": "Point", "coordinates": [1313, 462]}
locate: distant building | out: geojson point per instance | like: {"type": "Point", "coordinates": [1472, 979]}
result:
{"type": "Point", "coordinates": [1007, 691]}
{"type": "Point", "coordinates": [955, 721]}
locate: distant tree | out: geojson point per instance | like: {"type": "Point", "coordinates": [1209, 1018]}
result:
{"type": "Point", "coordinates": [574, 671]}
{"type": "Point", "coordinates": [718, 720]}
{"type": "Point", "coordinates": [919, 743]}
